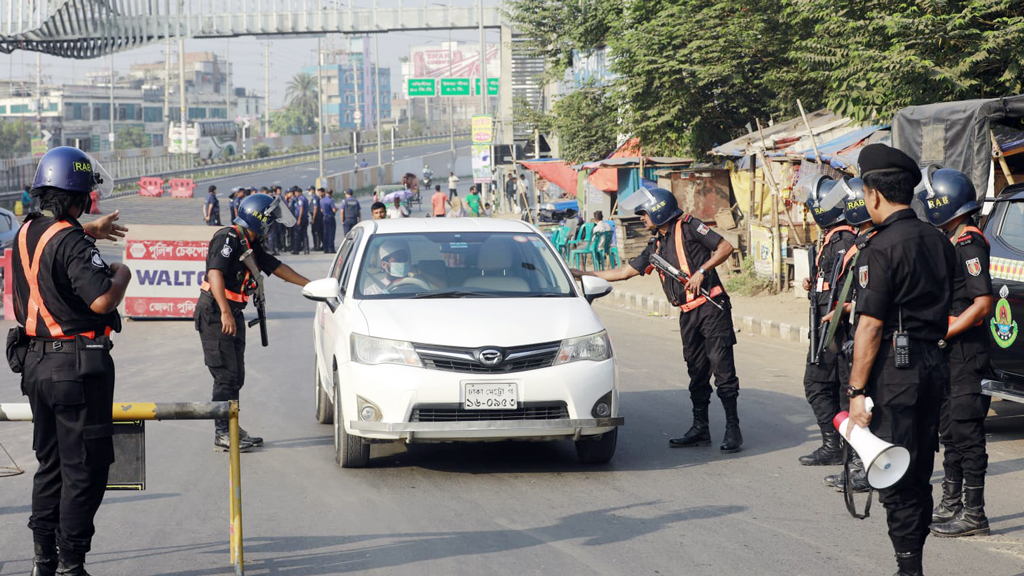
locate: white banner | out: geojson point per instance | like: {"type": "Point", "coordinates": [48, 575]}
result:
{"type": "Point", "coordinates": [168, 265]}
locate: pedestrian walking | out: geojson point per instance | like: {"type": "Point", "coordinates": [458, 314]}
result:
{"type": "Point", "coordinates": [905, 279]}
{"type": "Point", "coordinates": [224, 294]}
{"type": "Point", "coordinates": [453, 182]}
{"type": "Point", "coordinates": [437, 202]}
{"type": "Point", "coordinates": [511, 192]}
{"type": "Point", "coordinates": [65, 302]}
{"type": "Point", "coordinates": [707, 330]}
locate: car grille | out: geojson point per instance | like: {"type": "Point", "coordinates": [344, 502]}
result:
{"type": "Point", "coordinates": [515, 359]}
{"type": "Point", "coordinates": [455, 413]}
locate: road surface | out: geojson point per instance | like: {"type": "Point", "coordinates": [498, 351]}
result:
{"type": "Point", "coordinates": [494, 509]}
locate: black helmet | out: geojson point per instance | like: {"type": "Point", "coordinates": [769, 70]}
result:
{"type": "Point", "coordinates": [855, 210]}
{"type": "Point", "coordinates": [659, 205]}
{"type": "Point", "coordinates": [71, 170]}
{"type": "Point", "coordinates": [945, 194]}
{"type": "Point", "coordinates": [826, 211]}
{"type": "Point", "coordinates": [258, 211]}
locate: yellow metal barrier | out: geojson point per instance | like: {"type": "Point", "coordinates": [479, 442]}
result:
{"type": "Point", "coordinates": [129, 411]}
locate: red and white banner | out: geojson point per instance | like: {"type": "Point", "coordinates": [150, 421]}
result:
{"type": "Point", "coordinates": [168, 265]}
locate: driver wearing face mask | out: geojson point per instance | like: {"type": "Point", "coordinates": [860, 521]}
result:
{"type": "Point", "coordinates": [395, 263]}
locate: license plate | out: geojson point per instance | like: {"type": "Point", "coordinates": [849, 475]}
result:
{"type": "Point", "coordinates": [490, 396]}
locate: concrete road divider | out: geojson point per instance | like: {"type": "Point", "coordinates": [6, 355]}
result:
{"type": "Point", "coordinates": [131, 411]}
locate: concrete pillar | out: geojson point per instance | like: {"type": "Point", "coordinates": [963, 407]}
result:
{"type": "Point", "coordinates": [505, 86]}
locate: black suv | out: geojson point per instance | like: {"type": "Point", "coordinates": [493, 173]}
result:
{"type": "Point", "coordinates": [1004, 228]}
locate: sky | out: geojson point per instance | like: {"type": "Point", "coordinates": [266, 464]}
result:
{"type": "Point", "coordinates": [287, 56]}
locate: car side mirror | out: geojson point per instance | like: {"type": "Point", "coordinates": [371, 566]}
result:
{"type": "Point", "coordinates": [324, 290]}
{"type": "Point", "coordinates": [594, 288]}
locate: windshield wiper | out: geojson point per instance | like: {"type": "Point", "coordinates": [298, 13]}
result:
{"type": "Point", "coordinates": [548, 295]}
{"type": "Point", "coordinates": [453, 294]}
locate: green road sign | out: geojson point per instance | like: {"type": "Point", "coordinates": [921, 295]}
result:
{"type": "Point", "coordinates": [492, 86]}
{"type": "Point", "coordinates": [422, 87]}
{"type": "Point", "coordinates": [454, 86]}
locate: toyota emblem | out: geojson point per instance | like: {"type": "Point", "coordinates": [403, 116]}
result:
{"type": "Point", "coordinates": [490, 357]}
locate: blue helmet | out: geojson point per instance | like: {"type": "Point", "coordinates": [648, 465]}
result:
{"type": "Point", "coordinates": [827, 212]}
{"type": "Point", "coordinates": [71, 170]}
{"type": "Point", "coordinates": [258, 212]}
{"type": "Point", "coordinates": [945, 194]}
{"type": "Point", "coordinates": [659, 204]}
{"type": "Point", "coordinates": [855, 210]}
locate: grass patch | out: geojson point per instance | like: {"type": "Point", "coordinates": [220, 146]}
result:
{"type": "Point", "coordinates": [747, 282]}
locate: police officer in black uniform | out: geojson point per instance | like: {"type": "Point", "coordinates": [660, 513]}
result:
{"type": "Point", "coordinates": [856, 214]}
{"type": "Point", "coordinates": [65, 301]}
{"type": "Point", "coordinates": [949, 201]}
{"type": "Point", "coordinates": [707, 331]}
{"type": "Point", "coordinates": [823, 379]}
{"type": "Point", "coordinates": [224, 294]}
{"type": "Point", "coordinates": [905, 287]}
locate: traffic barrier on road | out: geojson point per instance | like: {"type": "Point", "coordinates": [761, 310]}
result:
{"type": "Point", "coordinates": [169, 263]}
{"type": "Point", "coordinates": [182, 187]}
{"type": "Point", "coordinates": [151, 186]}
{"type": "Point", "coordinates": [132, 411]}
{"type": "Point", "coordinates": [95, 208]}
{"type": "Point", "coordinates": [8, 260]}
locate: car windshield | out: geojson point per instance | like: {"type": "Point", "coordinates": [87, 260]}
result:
{"type": "Point", "coordinates": [461, 265]}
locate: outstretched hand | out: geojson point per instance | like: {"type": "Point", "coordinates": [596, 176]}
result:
{"type": "Point", "coordinates": [106, 227]}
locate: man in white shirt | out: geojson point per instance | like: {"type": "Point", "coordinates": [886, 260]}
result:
{"type": "Point", "coordinates": [453, 181]}
{"type": "Point", "coordinates": [600, 224]}
{"type": "Point", "coordinates": [400, 211]}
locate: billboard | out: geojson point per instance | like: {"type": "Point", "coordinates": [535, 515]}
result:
{"type": "Point", "coordinates": [168, 264]}
{"type": "Point", "coordinates": [433, 61]}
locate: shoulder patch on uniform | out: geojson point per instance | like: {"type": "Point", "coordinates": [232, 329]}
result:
{"type": "Point", "coordinates": [974, 266]}
{"type": "Point", "coordinates": [98, 262]}
{"type": "Point", "coordinates": [965, 240]}
{"type": "Point", "coordinates": [226, 250]}
{"type": "Point", "coordinates": [703, 229]}
{"type": "Point", "coordinates": [862, 276]}
{"type": "Point", "coordinates": [686, 218]}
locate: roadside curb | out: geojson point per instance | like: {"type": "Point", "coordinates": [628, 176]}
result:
{"type": "Point", "coordinates": [657, 305]}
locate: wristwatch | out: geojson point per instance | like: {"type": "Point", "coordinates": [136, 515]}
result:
{"type": "Point", "coordinates": [851, 391]}
{"type": "Point", "coordinates": [700, 271]}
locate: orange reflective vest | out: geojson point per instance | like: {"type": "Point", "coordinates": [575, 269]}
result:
{"type": "Point", "coordinates": [233, 296]}
{"type": "Point", "coordinates": [691, 301]}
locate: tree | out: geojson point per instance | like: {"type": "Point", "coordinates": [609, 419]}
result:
{"type": "Point", "coordinates": [16, 138]}
{"type": "Point", "coordinates": [302, 94]}
{"type": "Point", "coordinates": [586, 124]}
{"type": "Point", "coordinates": [130, 137]}
{"type": "Point", "coordinates": [876, 57]}
{"type": "Point", "coordinates": [556, 29]}
{"type": "Point", "coordinates": [292, 122]}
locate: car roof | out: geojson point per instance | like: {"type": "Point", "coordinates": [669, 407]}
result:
{"type": "Point", "coordinates": [416, 225]}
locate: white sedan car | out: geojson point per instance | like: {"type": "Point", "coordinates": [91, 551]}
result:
{"type": "Point", "coordinates": [460, 330]}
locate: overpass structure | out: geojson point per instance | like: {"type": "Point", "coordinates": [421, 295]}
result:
{"type": "Point", "coordinates": [92, 28]}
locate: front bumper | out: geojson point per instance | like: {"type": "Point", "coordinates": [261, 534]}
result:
{"type": "Point", "coordinates": [482, 429]}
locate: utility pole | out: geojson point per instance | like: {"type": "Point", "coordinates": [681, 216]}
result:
{"type": "Point", "coordinates": [451, 102]}
{"type": "Point", "coordinates": [39, 92]}
{"type": "Point", "coordinates": [113, 111]}
{"type": "Point", "coordinates": [376, 97]}
{"type": "Point", "coordinates": [358, 116]}
{"type": "Point", "coordinates": [320, 106]}
{"type": "Point", "coordinates": [183, 118]}
{"type": "Point", "coordinates": [266, 91]}
{"type": "Point", "coordinates": [227, 80]}
{"type": "Point", "coordinates": [483, 60]}
{"type": "Point", "coordinates": [167, 85]}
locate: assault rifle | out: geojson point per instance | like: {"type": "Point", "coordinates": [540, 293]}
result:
{"type": "Point", "coordinates": [663, 265]}
{"type": "Point", "coordinates": [833, 306]}
{"type": "Point", "coordinates": [256, 293]}
{"type": "Point", "coordinates": [814, 318]}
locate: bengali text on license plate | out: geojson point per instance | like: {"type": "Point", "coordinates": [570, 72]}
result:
{"type": "Point", "coordinates": [491, 396]}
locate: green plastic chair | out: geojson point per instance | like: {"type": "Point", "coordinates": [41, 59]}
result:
{"type": "Point", "coordinates": [583, 234]}
{"type": "Point", "coordinates": [560, 239]}
{"type": "Point", "coordinates": [596, 249]}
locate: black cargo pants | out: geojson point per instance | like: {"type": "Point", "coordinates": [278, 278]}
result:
{"type": "Point", "coordinates": [708, 338]}
{"type": "Point", "coordinates": [823, 385]}
{"type": "Point", "coordinates": [907, 405]}
{"type": "Point", "coordinates": [962, 424]}
{"type": "Point", "coordinates": [72, 437]}
{"type": "Point", "coordinates": [223, 355]}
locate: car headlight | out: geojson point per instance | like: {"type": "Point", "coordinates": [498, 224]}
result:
{"type": "Point", "coordinates": [595, 347]}
{"type": "Point", "coordinates": [370, 350]}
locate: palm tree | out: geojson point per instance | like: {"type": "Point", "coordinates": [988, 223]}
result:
{"type": "Point", "coordinates": [302, 94]}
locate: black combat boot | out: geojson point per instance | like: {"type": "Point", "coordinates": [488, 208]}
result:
{"type": "Point", "coordinates": [699, 434]}
{"type": "Point", "coordinates": [858, 477]}
{"type": "Point", "coordinates": [733, 437]}
{"type": "Point", "coordinates": [950, 505]}
{"type": "Point", "coordinates": [222, 438]}
{"type": "Point", "coordinates": [71, 564]}
{"type": "Point", "coordinates": [830, 453]}
{"type": "Point", "coordinates": [909, 564]}
{"type": "Point", "coordinates": [971, 521]}
{"type": "Point", "coordinates": [45, 561]}
{"type": "Point", "coordinates": [254, 440]}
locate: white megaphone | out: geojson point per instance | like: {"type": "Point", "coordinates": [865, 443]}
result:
{"type": "Point", "coordinates": [885, 463]}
